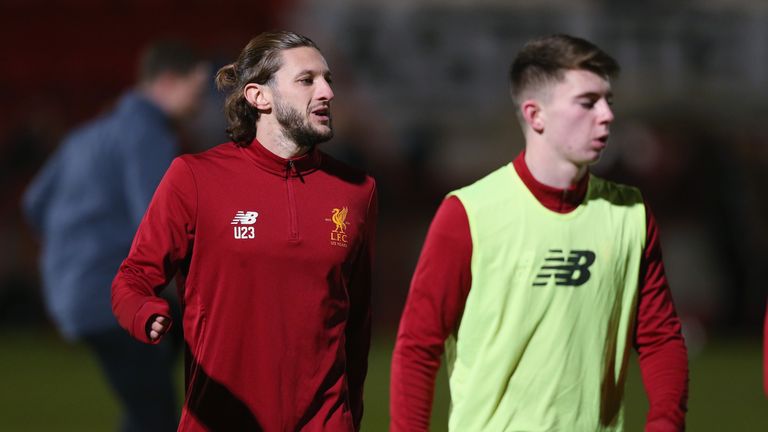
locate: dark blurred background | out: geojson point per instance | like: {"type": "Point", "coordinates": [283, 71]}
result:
{"type": "Point", "coordinates": [422, 104]}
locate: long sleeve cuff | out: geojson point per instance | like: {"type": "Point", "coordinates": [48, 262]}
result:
{"type": "Point", "coordinates": [143, 314]}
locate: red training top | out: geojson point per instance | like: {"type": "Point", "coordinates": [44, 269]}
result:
{"type": "Point", "coordinates": [440, 287]}
{"type": "Point", "coordinates": [274, 271]}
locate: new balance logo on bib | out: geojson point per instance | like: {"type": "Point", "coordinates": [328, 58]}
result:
{"type": "Point", "coordinates": [567, 270]}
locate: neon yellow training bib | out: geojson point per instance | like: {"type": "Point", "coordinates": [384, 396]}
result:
{"type": "Point", "coordinates": [546, 331]}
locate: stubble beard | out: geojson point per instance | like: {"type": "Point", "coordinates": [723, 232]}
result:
{"type": "Point", "coordinates": [298, 129]}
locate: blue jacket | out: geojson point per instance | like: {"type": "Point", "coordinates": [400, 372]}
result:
{"type": "Point", "coordinates": [87, 202]}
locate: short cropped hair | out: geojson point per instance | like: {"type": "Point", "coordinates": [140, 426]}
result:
{"type": "Point", "coordinates": [168, 55]}
{"type": "Point", "coordinates": [543, 61]}
{"type": "Point", "coordinates": [257, 63]}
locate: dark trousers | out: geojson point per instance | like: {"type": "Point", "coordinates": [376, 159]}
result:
{"type": "Point", "coordinates": [142, 377]}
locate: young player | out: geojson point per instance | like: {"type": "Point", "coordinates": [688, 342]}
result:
{"type": "Point", "coordinates": [539, 278]}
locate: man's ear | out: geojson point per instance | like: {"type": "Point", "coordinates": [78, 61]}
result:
{"type": "Point", "coordinates": [533, 115]}
{"type": "Point", "coordinates": [258, 96]}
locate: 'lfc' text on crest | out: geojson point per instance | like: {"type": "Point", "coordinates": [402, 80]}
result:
{"type": "Point", "coordinates": [339, 235]}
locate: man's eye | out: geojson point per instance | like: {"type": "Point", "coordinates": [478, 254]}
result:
{"type": "Point", "coordinates": [306, 80]}
{"type": "Point", "coordinates": [587, 104]}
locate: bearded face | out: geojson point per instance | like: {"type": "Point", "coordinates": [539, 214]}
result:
{"type": "Point", "coordinates": [300, 126]}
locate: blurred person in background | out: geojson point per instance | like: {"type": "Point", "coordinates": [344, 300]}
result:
{"type": "Point", "coordinates": [537, 279]}
{"type": "Point", "coordinates": [86, 203]}
{"type": "Point", "coordinates": [271, 242]}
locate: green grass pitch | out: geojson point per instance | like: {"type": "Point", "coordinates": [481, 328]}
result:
{"type": "Point", "coordinates": [48, 385]}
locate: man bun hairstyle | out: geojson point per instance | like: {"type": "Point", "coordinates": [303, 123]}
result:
{"type": "Point", "coordinates": [257, 63]}
{"type": "Point", "coordinates": [543, 61]}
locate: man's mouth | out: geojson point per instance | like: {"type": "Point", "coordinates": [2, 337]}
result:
{"type": "Point", "coordinates": [322, 113]}
{"type": "Point", "coordinates": [600, 142]}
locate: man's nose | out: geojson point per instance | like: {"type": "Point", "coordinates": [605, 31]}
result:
{"type": "Point", "coordinates": [606, 113]}
{"type": "Point", "coordinates": [324, 90]}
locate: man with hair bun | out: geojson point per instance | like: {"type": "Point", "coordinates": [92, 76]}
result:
{"type": "Point", "coordinates": [271, 242]}
{"type": "Point", "coordinates": [538, 279]}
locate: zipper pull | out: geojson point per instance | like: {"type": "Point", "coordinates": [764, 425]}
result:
{"type": "Point", "coordinates": [288, 168]}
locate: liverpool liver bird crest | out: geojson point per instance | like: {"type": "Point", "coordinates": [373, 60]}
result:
{"type": "Point", "coordinates": [339, 218]}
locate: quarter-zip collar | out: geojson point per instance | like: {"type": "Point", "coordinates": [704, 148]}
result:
{"type": "Point", "coordinates": [293, 167]}
{"type": "Point", "coordinates": [555, 199]}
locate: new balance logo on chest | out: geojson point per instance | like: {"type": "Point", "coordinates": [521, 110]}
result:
{"type": "Point", "coordinates": [570, 269]}
{"type": "Point", "coordinates": [243, 222]}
